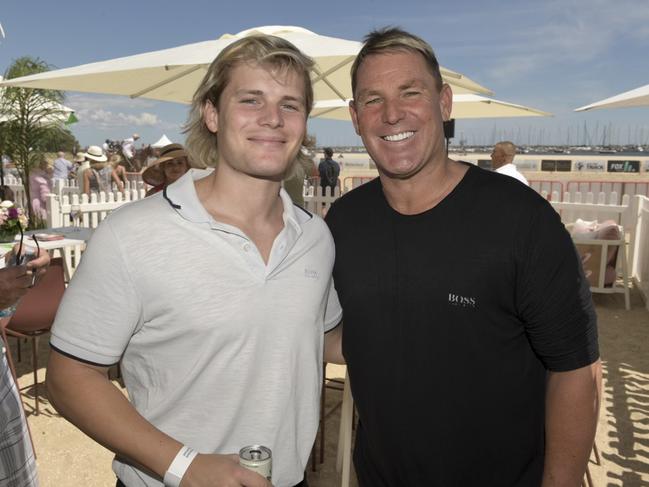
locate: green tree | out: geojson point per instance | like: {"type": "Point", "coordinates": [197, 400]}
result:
{"type": "Point", "coordinates": [29, 117]}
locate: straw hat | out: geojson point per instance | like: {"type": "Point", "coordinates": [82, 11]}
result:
{"type": "Point", "coordinates": [153, 174]}
{"type": "Point", "coordinates": [80, 157]}
{"type": "Point", "coordinates": [94, 153]}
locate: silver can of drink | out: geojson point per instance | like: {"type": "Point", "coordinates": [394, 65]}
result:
{"type": "Point", "coordinates": [257, 458]}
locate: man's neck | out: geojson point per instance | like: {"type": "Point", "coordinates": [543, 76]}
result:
{"type": "Point", "coordinates": [233, 195]}
{"type": "Point", "coordinates": [424, 190]}
{"type": "Point", "coordinates": [250, 204]}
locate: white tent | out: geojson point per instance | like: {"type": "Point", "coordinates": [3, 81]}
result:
{"type": "Point", "coordinates": [634, 98]}
{"type": "Point", "coordinates": [161, 142]}
{"type": "Point", "coordinates": [173, 74]}
{"type": "Point", "coordinates": [465, 105]}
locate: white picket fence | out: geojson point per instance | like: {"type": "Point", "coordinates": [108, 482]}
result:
{"type": "Point", "coordinates": [80, 211]}
{"type": "Point", "coordinates": [317, 202]}
{"type": "Point", "coordinates": [68, 187]}
{"type": "Point", "coordinates": [16, 186]}
{"type": "Point", "coordinates": [633, 214]}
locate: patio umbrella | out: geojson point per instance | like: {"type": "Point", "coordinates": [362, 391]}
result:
{"type": "Point", "coordinates": [464, 106]}
{"type": "Point", "coordinates": [634, 98]}
{"type": "Point", "coordinates": [62, 113]}
{"type": "Point", "coordinates": [173, 74]}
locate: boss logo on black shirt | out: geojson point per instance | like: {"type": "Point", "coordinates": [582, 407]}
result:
{"type": "Point", "coordinates": [463, 301]}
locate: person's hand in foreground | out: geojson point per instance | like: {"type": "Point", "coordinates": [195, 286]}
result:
{"type": "Point", "coordinates": [221, 470]}
{"type": "Point", "coordinates": [16, 280]}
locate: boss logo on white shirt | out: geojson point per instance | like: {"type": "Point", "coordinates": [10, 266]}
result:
{"type": "Point", "coordinates": [462, 301]}
{"type": "Point", "coordinates": [311, 274]}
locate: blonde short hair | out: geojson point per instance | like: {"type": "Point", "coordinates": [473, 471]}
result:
{"type": "Point", "coordinates": [392, 39]}
{"type": "Point", "coordinates": [265, 50]}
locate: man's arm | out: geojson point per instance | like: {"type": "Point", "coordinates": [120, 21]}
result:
{"type": "Point", "coordinates": [117, 180]}
{"type": "Point", "coordinates": [333, 349]}
{"type": "Point", "coordinates": [572, 411]}
{"type": "Point", "coordinates": [83, 394]}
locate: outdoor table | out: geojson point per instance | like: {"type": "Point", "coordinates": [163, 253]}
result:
{"type": "Point", "coordinates": [69, 247]}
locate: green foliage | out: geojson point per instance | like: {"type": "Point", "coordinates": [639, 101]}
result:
{"type": "Point", "coordinates": [31, 119]}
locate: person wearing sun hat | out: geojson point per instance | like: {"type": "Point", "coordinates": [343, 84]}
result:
{"type": "Point", "coordinates": [81, 164]}
{"type": "Point", "coordinates": [171, 165]}
{"type": "Point", "coordinates": [100, 175]}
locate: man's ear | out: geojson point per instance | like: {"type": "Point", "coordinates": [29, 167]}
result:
{"type": "Point", "coordinates": [446, 101]}
{"type": "Point", "coordinates": [352, 112]}
{"type": "Point", "coordinates": [211, 117]}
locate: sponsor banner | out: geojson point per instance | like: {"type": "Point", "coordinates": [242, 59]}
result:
{"type": "Point", "coordinates": [559, 165]}
{"type": "Point", "coordinates": [527, 164]}
{"type": "Point", "coordinates": [624, 166]}
{"type": "Point", "coordinates": [590, 166]}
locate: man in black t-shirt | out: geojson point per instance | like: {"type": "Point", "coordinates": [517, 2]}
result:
{"type": "Point", "coordinates": [463, 294]}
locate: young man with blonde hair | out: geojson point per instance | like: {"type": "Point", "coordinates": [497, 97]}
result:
{"type": "Point", "coordinates": [462, 295]}
{"type": "Point", "coordinates": [214, 296]}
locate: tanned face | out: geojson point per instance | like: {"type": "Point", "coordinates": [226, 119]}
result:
{"type": "Point", "coordinates": [399, 112]}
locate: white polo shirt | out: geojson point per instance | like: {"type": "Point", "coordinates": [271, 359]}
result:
{"type": "Point", "coordinates": [219, 350]}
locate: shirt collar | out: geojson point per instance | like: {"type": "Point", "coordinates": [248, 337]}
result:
{"type": "Point", "coordinates": [182, 197]}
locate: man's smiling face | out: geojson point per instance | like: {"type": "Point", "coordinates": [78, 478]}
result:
{"type": "Point", "coordinates": [399, 112]}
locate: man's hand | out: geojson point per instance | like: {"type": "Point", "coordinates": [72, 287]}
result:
{"type": "Point", "coordinates": [16, 280]}
{"type": "Point", "coordinates": [221, 471]}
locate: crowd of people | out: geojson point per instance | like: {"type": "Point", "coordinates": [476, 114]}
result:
{"type": "Point", "coordinates": [221, 333]}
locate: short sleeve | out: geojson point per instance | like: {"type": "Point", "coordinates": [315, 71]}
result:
{"type": "Point", "coordinates": [101, 308]}
{"type": "Point", "coordinates": [553, 296]}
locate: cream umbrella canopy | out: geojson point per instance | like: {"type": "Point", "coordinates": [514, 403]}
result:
{"type": "Point", "coordinates": [634, 98]}
{"type": "Point", "coordinates": [59, 113]}
{"type": "Point", "coordinates": [173, 74]}
{"type": "Point", "coordinates": [464, 106]}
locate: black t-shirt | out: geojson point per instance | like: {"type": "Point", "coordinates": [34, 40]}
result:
{"type": "Point", "coordinates": [451, 319]}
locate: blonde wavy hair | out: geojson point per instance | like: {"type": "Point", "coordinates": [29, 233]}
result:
{"type": "Point", "coordinates": [268, 51]}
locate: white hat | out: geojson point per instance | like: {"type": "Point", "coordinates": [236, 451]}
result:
{"type": "Point", "coordinates": [94, 153]}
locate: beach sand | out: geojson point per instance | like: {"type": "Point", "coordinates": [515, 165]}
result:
{"type": "Point", "coordinates": [68, 458]}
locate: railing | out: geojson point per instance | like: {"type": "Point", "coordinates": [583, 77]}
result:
{"type": "Point", "coordinates": [318, 202]}
{"type": "Point", "coordinates": [547, 187]}
{"type": "Point", "coordinates": [67, 211]}
{"type": "Point", "coordinates": [633, 214]}
{"type": "Point", "coordinates": [69, 187]}
{"type": "Point", "coordinates": [16, 186]}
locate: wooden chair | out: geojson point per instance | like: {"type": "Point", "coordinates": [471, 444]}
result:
{"type": "Point", "coordinates": [596, 258]}
{"type": "Point", "coordinates": [35, 314]}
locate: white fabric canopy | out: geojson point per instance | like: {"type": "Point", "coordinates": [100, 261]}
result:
{"type": "Point", "coordinates": [464, 106]}
{"type": "Point", "coordinates": [634, 98]}
{"type": "Point", "coordinates": [173, 74]}
{"type": "Point", "coordinates": [61, 115]}
{"type": "Point", "coordinates": [161, 142]}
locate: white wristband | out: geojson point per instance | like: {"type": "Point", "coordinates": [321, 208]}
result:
{"type": "Point", "coordinates": [179, 466]}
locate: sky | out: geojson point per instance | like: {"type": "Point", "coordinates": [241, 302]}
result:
{"type": "Point", "coordinates": [546, 54]}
